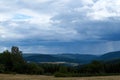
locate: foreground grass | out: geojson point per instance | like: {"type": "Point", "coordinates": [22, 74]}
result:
{"type": "Point", "coordinates": [39, 77]}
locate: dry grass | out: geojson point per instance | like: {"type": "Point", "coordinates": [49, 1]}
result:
{"type": "Point", "coordinates": [39, 77]}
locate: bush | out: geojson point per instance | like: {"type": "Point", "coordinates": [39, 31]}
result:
{"type": "Point", "coordinates": [2, 68]}
{"type": "Point", "coordinates": [59, 74]}
{"type": "Point", "coordinates": [33, 68]}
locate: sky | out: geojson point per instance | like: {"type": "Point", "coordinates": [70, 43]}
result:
{"type": "Point", "coordinates": [60, 26]}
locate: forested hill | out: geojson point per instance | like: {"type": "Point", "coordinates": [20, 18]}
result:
{"type": "Point", "coordinates": [110, 56]}
{"type": "Point", "coordinates": [73, 58]}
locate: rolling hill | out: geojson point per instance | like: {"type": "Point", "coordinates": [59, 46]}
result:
{"type": "Point", "coordinates": [71, 58]}
{"type": "Point", "coordinates": [110, 56]}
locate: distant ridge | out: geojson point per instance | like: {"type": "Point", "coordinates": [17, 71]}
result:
{"type": "Point", "coordinates": [110, 56]}
{"type": "Point", "coordinates": [71, 58]}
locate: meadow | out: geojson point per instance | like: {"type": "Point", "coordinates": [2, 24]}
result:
{"type": "Point", "coordinates": [41, 77]}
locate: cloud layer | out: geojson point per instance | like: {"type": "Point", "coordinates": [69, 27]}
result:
{"type": "Point", "coordinates": [55, 26]}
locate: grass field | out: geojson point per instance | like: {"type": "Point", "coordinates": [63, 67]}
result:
{"type": "Point", "coordinates": [39, 77]}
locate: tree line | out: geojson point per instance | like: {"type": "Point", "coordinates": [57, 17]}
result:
{"type": "Point", "coordinates": [13, 62]}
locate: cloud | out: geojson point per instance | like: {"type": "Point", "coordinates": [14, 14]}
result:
{"type": "Point", "coordinates": [60, 21]}
{"type": "Point", "coordinates": [105, 9]}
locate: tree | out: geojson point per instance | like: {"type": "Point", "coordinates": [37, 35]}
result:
{"type": "Point", "coordinates": [17, 55]}
{"type": "Point", "coordinates": [13, 60]}
{"type": "Point", "coordinates": [6, 60]}
{"type": "Point", "coordinates": [63, 69]}
{"type": "Point", "coordinates": [15, 50]}
{"type": "Point", "coordinates": [93, 68]}
{"type": "Point", "coordinates": [33, 68]}
{"type": "Point", "coordinates": [17, 60]}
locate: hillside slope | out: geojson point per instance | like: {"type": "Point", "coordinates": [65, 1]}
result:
{"type": "Point", "coordinates": [71, 58]}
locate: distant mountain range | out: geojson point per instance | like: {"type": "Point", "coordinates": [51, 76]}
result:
{"type": "Point", "coordinates": [71, 58]}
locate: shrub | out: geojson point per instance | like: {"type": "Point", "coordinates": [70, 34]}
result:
{"type": "Point", "coordinates": [2, 68]}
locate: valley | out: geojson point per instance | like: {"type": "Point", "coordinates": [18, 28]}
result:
{"type": "Point", "coordinates": [70, 58]}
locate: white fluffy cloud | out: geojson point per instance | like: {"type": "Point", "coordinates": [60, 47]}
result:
{"type": "Point", "coordinates": [105, 9]}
